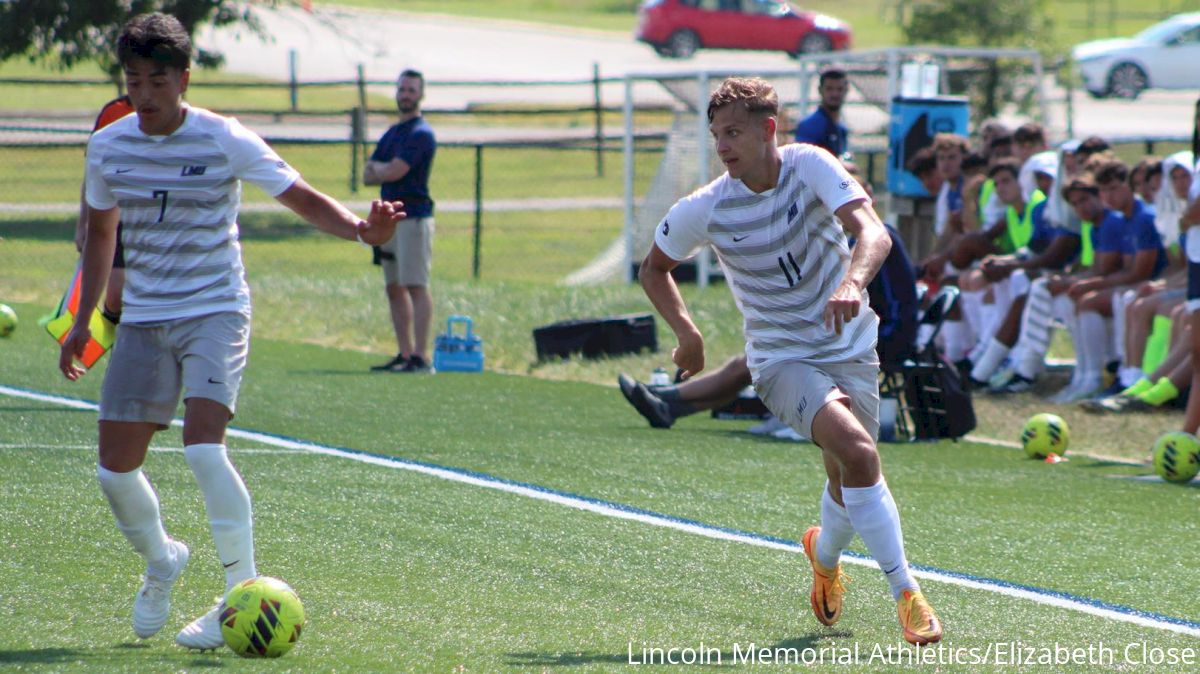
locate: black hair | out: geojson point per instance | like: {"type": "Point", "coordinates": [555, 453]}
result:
{"type": "Point", "coordinates": [831, 74]}
{"type": "Point", "coordinates": [158, 37]}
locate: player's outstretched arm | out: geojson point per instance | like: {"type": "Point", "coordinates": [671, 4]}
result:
{"type": "Point", "coordinates": [655, 276]}
{"type": "Point", "coordinates": [872, 249]}
{"type": "Point", "coordinates": [99, 244]}
{"type": "Point", "coordinates": [328, 215]}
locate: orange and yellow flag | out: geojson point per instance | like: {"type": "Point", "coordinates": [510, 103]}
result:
{"type": "Point", "coordinates": [104, 332]}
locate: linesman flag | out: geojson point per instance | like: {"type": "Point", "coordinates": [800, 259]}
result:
{"type": "Point", "coordinates": [58, 324]}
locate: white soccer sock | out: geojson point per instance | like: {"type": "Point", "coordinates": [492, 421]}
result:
{"type": "Point", "coordinates": [228, 506]}
{"type": "Point", "coordinates": [1064, 309]}
{"type": "Point", "coordinates": [1002, 299]}
{"type": "Point", "coordinates": [1094, 341]}
{"type": "Point", "coordinates": [1129, 376]}
{"type": "Point", "coordinates": [1120, 305]}
{"type": "Point", "coordinates": [1030, 352]}
{"type": "Point", "coordinates": [956, 336]}
{"type": "Point", "coordinates": [135, 507]}
{"type": "Point", "coordinates": [836, 531]}
{"type": "Point", "coordinates": [971, 302]}
{"type": "Point", "coordinates": [993, 355]}
{"type": "Point", "coordinates": [873, 513]}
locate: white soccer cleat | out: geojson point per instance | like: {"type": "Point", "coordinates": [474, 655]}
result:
{"type": "Point", "coordinates": [203, 633]}
{"type": "Point", "coordinates": [789, 433]}
{"type": "Point", "coordinates": [768, 426]}
{"type": "Point", "coordinates": [152, 606]}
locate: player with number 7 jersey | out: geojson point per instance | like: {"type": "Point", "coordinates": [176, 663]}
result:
{"type": "Point", "coordinates": [171, 173]}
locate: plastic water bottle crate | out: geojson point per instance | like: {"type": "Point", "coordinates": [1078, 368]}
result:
{"type": "Point", "coordinates": [458, 352]}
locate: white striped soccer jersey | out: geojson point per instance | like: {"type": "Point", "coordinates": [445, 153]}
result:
{"type": "Point", "coordinates": [179, 196]}
{"type": "Point", "coordinates": [783, 253]}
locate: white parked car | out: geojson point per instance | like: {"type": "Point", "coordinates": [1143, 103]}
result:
{"type": "Point", "coordinates": [1164, 56]}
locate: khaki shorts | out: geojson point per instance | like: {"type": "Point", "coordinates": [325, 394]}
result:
{"type": "Point", "coordinates": [412, 253]}
{"type": "Point", "coordinates": [795, 391]}
{"type": "Point", "coordinates": [150, 364]}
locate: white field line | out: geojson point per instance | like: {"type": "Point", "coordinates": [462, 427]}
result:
{"type": "Point", "coordinates": [1035, 595]}
{"type": "Point", "coordinates": [163, 450]}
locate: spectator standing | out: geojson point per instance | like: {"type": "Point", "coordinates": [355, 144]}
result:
{"type": "Point", "coordinates": [401, 165]}
{"type": "Point", "coordinates": [824, 127]}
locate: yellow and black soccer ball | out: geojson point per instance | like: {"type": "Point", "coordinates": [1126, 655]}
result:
{"type": "Point", "coordinates": [261, 618]}
{"type": "Point", "coordinates": [1045, 434]}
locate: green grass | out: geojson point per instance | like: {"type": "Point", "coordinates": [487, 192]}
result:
{"type": "Point", "coordinates": [297, 274]}
{"type": "Point", "coordinates": [52, 175]}
{"type": "Point", "coordinates": [401, 571]}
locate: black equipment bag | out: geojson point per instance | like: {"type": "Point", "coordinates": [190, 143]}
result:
{"type": "Point", "coordinates": [594, 337]}
{"type": "Point", "coordinates": [936, 400]}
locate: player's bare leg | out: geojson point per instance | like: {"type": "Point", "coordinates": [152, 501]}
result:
{"type": "Point", "coordinates": [422, 316]}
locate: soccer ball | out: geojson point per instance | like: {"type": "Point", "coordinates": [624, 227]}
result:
{"type": "Point", "coordinates": [8, 320]}
{"type": "Point", "coordinates": [261, 618]}
{"type": "Point", "coordinates": [1045, 434]}
{"type": "Point", "coordinates": [1177, 456]}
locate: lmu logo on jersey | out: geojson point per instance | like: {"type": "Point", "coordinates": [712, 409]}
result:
{"type": "Point", "coordinates": [793, 212]}
{"type": "Point", "coordinates": [193, 170]}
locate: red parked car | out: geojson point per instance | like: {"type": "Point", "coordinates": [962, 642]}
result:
{"type": "Point", "coordinates": [677, 28]}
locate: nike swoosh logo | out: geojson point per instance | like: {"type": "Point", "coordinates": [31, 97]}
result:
{"type": "Point", "coordinates": [231, 563]}
{"type": "Point", "coordinates": [214, 381]}
{"type": "Point", "coordinates": [119, 171]}
{"type": "Point", "coordinates": [740, 238]}
{"type": "Point", "coordinates": [829, 615]}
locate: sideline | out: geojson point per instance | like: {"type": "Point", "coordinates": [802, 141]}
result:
{"type": "Point", "coordinates": [1037, 595]}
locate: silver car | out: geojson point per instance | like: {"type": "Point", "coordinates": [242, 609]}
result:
{"type": "Point", "coordinates": [1164, 56]}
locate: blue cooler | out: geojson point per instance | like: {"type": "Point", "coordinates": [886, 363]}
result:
{"type": "Point", "coordinates": [915, 121]}
{"type": "Point", "coordinates": [458, 353]}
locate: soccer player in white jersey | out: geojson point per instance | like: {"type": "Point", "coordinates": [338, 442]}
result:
{"type": "Point", "coordinates": [809, 342]}
{"type": "Point", "coordinates": [171, 173]}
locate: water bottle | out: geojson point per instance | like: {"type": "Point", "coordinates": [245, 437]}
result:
{"type": "Point", "coordinates": [660, 377]}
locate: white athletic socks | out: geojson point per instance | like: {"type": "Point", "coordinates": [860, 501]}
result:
{"type": "Point", "coordinates": [971, 303]}
{"type": "Point", "coordinates": [1120, 306]}
{"type": "Point", "coordinates": [228, 506]}
{"type": "Point", "coordinates": [135, 507]}
{"type": "Point", "coordinates": [836, 531]}
{"type": "Point", "coordinates": [1129, 376]}
{"type": "Point", "coordinates": [956, 336]}
{"type": "Point", "coordinates": [1095, 342]}
{"type": "Point", "coordinates": [993, 355]}
{"type": "Point", "coordinates": [873, 513]}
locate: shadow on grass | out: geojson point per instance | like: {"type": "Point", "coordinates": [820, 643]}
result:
{"type": "Point", "coordinates": [90, 656]}
{"type": "Point", "coordinates": [635, 655]}
{"type": "Point", "coordinates": [360, 371]}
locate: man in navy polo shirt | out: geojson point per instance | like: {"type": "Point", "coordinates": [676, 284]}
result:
{"type": "Point", "coordinates": [400, 165]}
{"type": "Point", "coordinates": [824, 126]}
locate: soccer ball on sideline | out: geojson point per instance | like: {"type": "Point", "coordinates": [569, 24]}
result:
{"type": "Point", "coordinates": [261, 618]}
{"type": "Point", "coordinates": [1177, 456]}
{"type": "Point", "coordinates": [8, 320]}
{"type": "Point", "coordinates": [1045, 434]}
